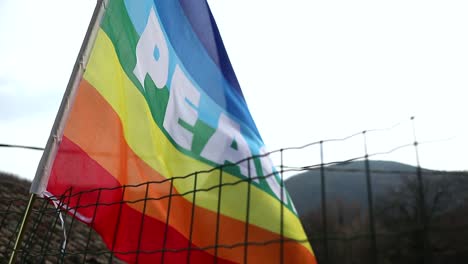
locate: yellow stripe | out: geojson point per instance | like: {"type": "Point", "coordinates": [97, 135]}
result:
{"type": "Point", "coordinates": [105, 73]}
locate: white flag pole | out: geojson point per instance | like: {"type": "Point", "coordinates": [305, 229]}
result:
{"type": "Point", "coordinates": [41, 178]}
{"type": "Point", "coordinates": [39, 183]}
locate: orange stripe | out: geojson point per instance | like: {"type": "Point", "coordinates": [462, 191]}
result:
{"type": "Point", "coordinates": [123, 229]}
{"type": "Point", "coordinates": [96, 128]}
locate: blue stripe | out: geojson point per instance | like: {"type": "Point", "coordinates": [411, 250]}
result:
{"type": "Point", "coordinates": [208, 110]}
{"type": "Point", "coordinates": [195, 58]}
{"type": "Point", "coordinates": [203, 24]}
{"type": "Point", "coordinates": [139, 12]}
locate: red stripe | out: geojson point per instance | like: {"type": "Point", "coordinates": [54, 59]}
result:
{"type": "Point", "coordinates": [95, 127]}
{"type": "Point", "coordinates": [73, 167]}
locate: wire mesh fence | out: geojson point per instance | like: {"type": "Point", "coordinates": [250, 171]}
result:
{"type": "Point", "coordinates": [354, 209]}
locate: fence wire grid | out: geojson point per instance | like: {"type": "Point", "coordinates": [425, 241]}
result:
{"type": "Point", "coordinates": [354, 210]}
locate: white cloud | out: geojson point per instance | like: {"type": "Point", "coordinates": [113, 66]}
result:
{"type": "Point", "coordinates": [39, 43]}
{"type": "Point", "coordinates": [326, 69]}
{"type": "Point", "coordinates": [309, 70]}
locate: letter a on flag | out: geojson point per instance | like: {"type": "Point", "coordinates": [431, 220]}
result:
{"type": "Point", "coordinates": [154, 146]}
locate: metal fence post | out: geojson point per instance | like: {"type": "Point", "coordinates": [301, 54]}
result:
{"type": "Point", "coordinates": [324, 204]}
{"type": "Point", "coordinates": [422, 214]}
{"type": "Point", "coordinates": [370, 204]}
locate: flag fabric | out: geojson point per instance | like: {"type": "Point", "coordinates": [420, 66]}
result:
{"type": "Point", "coordinates": [157, 110]}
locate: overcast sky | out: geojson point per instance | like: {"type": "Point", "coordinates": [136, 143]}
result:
{"type": "Point", "coordinates": [309, 70]}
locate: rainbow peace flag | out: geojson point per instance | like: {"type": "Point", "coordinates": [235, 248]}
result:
{"type": "Point", "coordinates": [156, 111]}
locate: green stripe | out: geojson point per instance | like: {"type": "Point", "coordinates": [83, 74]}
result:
{"type": "Point", "coordinates": [119, 28]}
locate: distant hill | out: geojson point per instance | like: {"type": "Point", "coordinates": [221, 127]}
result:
{"type": "Point", "coordinates": [399, 215]}
{"type": "Point", "coordinates": [346, 181]}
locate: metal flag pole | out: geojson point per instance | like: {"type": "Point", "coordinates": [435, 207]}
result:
{"type": "Point", "coordinates": [19, 238]}
{"type": "Point", "coordinates": [39, 183]}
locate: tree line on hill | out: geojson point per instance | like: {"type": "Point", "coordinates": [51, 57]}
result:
{"type": "Point", "coordinates": [407, 230]}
